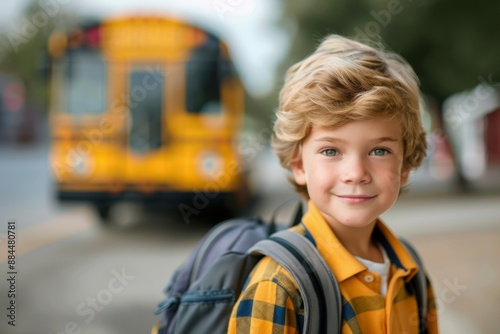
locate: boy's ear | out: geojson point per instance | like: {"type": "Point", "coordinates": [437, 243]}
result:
{"type": "Point", "coordinates": [298, 172]}
{"type": "Point", "coordinates": [405, 175]}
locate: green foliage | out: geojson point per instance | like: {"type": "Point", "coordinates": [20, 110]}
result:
{"type": "Point", "coordinates": [450, 44]}
{"type": "Point", "coordinates": [24, 50]}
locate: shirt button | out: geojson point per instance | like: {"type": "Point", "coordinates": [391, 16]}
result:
{"type": "Point", "coordinates": [369, 278]}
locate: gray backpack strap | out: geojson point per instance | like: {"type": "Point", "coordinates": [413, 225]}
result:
{"type": "Point", "coordinates": [318, 287]}
{"type": "Point", "coordinates": [419, 282]}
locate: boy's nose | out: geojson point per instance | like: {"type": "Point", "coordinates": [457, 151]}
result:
{"type": "Point", "coordinates": [355, 171]}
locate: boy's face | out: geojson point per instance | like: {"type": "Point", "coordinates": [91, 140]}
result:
{"type": "Point", "coordinates": [353, 172]}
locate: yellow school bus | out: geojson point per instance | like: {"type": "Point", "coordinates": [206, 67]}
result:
{"type": "Point", "coordinates": [146, 109]}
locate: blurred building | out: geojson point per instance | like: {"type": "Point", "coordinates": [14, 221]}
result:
{"type": "Point", "coordinates": [472, 123]}
{"type": "Point", "coordinates": [13, 115]}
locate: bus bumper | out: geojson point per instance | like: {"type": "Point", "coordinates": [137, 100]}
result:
{"type": "Point", "coordinates": [161, 199]}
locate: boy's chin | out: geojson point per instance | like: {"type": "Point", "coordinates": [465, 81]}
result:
{"type": "Point", "coordinates": [351, 222]}
{"type": "Point", "coordinates": [358, 224]}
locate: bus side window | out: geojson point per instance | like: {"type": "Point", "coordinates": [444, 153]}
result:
{"type": "Point", "coordinates": [85, 84]}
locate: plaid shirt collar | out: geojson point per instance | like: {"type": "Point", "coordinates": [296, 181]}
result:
{"type": "Point", "coordinates": [345, 265]}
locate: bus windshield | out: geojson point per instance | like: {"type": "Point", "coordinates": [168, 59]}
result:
{"type": "Point", "coordinates": [85, 84]}
{"type": "Point", "coordinates": [146, 108]}
{"type": "Point", "coordinates": [205, 73]}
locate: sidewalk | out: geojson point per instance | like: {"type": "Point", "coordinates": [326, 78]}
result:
{"type": "Point", "coordinates": [465, 269]}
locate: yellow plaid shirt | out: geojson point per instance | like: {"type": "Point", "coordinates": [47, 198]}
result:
{"type": "Point", "coordinates": [271, 302]}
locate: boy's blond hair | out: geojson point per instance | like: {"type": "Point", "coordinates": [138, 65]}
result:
{"type": "Point", "coordinates": [342, 81]}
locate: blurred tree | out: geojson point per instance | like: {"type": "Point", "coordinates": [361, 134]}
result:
{"type": "Point", "coordinates": [452, 45]}
{"type": "Point", "coordinates": [24, 48]}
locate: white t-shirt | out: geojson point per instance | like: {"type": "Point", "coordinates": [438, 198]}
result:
{"type": "Point", "coordinates": [382, 269]}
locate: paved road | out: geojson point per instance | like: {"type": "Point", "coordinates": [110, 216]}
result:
{"type": "Point", "coordinates": [76, 276]}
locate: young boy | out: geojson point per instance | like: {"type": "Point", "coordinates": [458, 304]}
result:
{"type": "Point", "coordinates": [348, 128]}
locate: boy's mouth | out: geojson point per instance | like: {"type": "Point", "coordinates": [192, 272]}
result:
{"type": "Point", "coordinates": [355, 198]}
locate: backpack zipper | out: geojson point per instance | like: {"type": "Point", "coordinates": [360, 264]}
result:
{"type": "Point", "coordinates": [209, 297]}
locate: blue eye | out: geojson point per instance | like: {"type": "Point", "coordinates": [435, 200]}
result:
{"type": "Point", "coordinates": [380, 151]}
{"type": "Point", "coordinates": [330, 152]}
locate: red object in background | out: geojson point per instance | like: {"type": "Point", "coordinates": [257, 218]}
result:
{"type": "Point", "coordinates": [492, 137]}
{"type": "Point", "coordinates": [13, 97]}
{"type": "Point", "coordinates": [93, 36]}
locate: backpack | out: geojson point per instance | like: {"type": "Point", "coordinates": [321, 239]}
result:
{"type": "Point", "coordinates": [203, 291]}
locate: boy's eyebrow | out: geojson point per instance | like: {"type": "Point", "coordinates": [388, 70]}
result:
{"type": "Point", "coordinates": [382, 139]}
{"type": "Point", "coordinates": [330, 139]}
{"type": "Point", "coordinates": [338, 140]}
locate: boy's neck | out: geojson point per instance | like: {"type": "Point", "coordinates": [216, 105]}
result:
{"type": "Point", "coordinates": [359, 241]}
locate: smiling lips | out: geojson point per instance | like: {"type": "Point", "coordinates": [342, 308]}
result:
{"type": "Point", "coordinates": [355, 198]}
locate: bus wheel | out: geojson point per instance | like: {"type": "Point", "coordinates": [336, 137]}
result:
{"type": "Point", "coordinates": [103, 212]}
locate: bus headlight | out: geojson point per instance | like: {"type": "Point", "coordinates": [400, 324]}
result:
{"type": "Point", "coordinates": [210, 163]}
{"type": "Point", "coordinates": [81, 166]}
